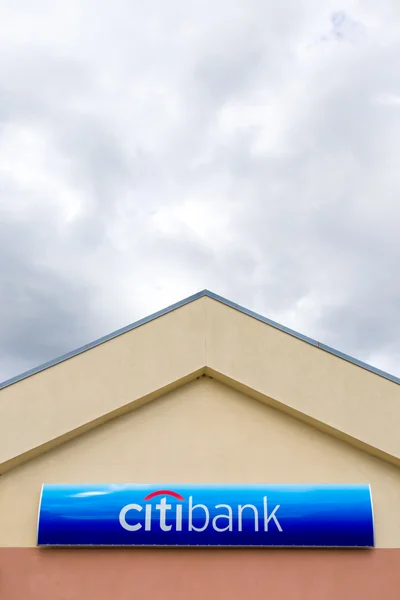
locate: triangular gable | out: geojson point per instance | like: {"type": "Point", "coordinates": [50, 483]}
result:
{"type": "Point", "coordinates": [203, 334]}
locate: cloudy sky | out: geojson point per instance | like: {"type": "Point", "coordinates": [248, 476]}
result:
{"type": "Point", "coordinates": [152, 149]}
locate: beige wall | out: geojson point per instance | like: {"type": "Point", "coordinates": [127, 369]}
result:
{"type": "Point", "coordinates": [305, 380]}
{"type": "Point", "coordinates": [202, 432]}
{"type": "Point", "coordinates": [94, 385]}
{"type": "Point", "coordinates": [46, 409]}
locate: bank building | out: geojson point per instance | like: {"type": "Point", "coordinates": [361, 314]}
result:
{"type": "Point", "coordinates": [204, 452]}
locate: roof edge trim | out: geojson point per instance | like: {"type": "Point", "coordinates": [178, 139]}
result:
{"type": "Point", "coordinates": [101, 340]}
{"type": "Point", "coordinates": [172, 307]}
{"type": "Point", "coordinates": [304, 338]}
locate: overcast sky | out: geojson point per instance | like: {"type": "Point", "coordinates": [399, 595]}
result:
{"type": "Point", "coordinates": [152, 149]}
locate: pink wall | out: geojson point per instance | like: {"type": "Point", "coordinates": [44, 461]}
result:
{"type": "Point", "coordinates": [160, 574]}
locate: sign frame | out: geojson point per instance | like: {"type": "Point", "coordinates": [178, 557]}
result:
{"type": "Point", "coordinates": [183, 515]}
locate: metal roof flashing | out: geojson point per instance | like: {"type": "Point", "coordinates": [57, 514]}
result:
{"type": "Point", "coordinates": [201, 294]}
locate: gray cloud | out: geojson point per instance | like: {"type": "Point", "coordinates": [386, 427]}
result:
{"type": "Point", "coordinates": [44, 312]}
{"type": "Point", "coordinates": [148, 152]}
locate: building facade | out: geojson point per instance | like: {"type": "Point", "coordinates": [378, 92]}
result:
{"type": "Point", "coordinates": [203, 393]}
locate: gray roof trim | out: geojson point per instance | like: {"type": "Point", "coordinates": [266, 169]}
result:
{"type": "Point", "coordinates": [202, 294]}
{"type": "Point", "coordinates": [102, 340]}
{"type": "Point", "coordinates": [304, 338]}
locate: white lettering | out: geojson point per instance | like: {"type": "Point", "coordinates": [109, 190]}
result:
{"type": "Point", "coordinates": [229, 516]}
{"type": "Point", "coordinates": [271, 516]}
{"type": "Point", "coordinates": [179, 517]}
{"type": "Point", "coordinates": [191, 510]}
{"type": "Point", "coordinates": [221, 522]}
{"type": "Point", "coordinates": [163, 507]}
{"type": "Point", "coordinates": [122, 517]}
{"type": "Point", "coordinates": [240, 512]}
{"type": "Point", "coordinates": [147, 522]}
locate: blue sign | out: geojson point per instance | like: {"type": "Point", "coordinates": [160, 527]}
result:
{"type": "Point", "coordinates": [206, 515]}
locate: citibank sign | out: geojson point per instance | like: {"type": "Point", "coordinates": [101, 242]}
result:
{"type": "Point", "coordinates": [224, 520]}
{"type": "Point", "coordinates": [206, 515]}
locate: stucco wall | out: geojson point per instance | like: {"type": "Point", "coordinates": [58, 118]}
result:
{"type": "Point", "coordinates": [204, 336]}
{"type": "Point", "coordinates": [109, 378]}
{"type": "Point", "coordinates": [304, 379]}
{"type": "Point", "coordinates": [216, 574]}
{"type": "Point", "coordinates": [202, 432]}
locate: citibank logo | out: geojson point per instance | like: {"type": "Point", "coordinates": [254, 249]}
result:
{"type": "Point", "coordinates": [186, 515]}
